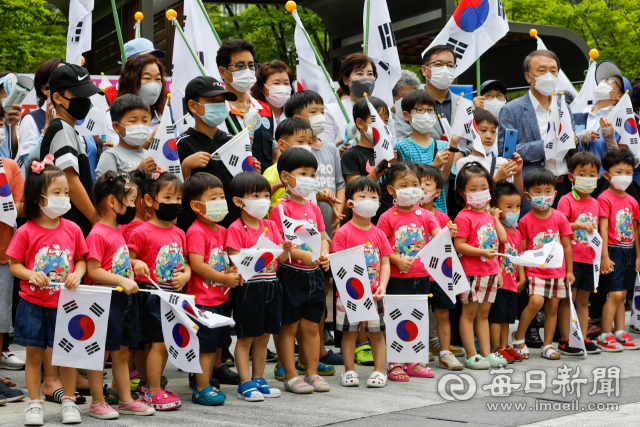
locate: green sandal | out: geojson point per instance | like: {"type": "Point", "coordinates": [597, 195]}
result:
{"type": "Point", "coordinates": [477, 362]}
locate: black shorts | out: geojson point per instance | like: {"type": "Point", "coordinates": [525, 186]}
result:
{"type": "Point", "coordinates": [123, 326]}
{"type": "Point", "coordinates": [583, 273]}
{"type": "Point", "coordinates": [208, 337]}
{"type": "Point", "coordinates": [623, 276]}
{"type": "Point", "coordinates": [302, 294]}
{"type": "Point", "coordinates": [503, 309]}
{"type": "Point", "coordinates": [439, 299]}
{"type": "Point", "coordinates": [257, 308]}
{"type": "Point", "coordinates": [150, 322]}
{"type": "Point", "coordinates": [408, 286]}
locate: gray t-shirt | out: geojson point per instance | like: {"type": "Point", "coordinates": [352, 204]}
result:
{"type": "Point", "coordinates": [328, 175]}
{"type": "Point", "coordinates": [120, 160]}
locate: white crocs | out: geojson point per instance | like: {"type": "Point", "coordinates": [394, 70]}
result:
{"type": "Point", "coordinates": [350, 379]}
{"type": "Point", "coordinates": [34, 414]}
{"type": "Point", "coordinates": [70, 412]}
{"type": "Point", "coordinates": [377, 380]}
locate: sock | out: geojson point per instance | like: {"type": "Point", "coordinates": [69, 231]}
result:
{"type": "Point", "coordinates": [444, 353]}
{"type": "Point", "coordinates": [618, 334]}
{"type": "Point", "coordinates": [604, 335]}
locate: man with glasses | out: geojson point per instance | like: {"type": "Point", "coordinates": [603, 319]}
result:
{"type": "Point", "coordinates": [493, 96]}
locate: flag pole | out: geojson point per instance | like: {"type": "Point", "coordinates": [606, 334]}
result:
{"type": "Point", "coordinates": [366, 33]}
{"type": "Point", "coordinates": [204, 12]}
{"type": "Point", "coordinates": [139, 17]}
{"type": "Point", "coordinates": [172, 16]}
{"type": "Point", "coordinates": [118, 31]}
{"type": "Point", "coordinates": [478, 76]}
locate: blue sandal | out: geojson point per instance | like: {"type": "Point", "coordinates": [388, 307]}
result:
{"type": "Point", "coordinates": [249, 392]}
{"type": "Point", "coordinates": [207, 396]}
{"type": "Point", "coordinates": [266, 390]}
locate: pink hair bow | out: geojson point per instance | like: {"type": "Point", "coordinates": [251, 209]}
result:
{"type": "Point", "coordinates": [38, 167]}
{"type": "Point", "coordinates": [157, 173]}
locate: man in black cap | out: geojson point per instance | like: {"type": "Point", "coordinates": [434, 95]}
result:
{"type": "Point", "coordinates": [70, 88]}
{"type": "Point", "coordinates": [492, 97]}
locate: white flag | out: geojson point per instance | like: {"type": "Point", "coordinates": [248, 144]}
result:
{"type": "Point", "coordinates": [556, 255]}
{"type": "Point", "coordinates": [624, 123]}
{"type": "Point", "coordinates": [350, 275]}
{"type": "Point", "coordinates": [635, 304]}
{"type": "Point", "coordinates": [180, 335]}
{"type": "Point", "coordinates": [471, 31]}
{"type": "Point", "coordinates": [382, 48]}
{"type": "Point", "coordinates": [465, 125]}
{"type": "Point", "coordinates": [301, 233]}
{"type": "Point", "coordinates": [79, 33]}
{"type": "Point", "coordinates": [253, 260]}
{"type": "Point", "coordinates": [551, 139]}
{"type": "Point", "coordinates": [8, 214]}
{"type": "Point", "coordinates": [185, 305]}
{"type": "Point", "coordinates": [94, 123]}
{"type": "Point", "coordinates": [163, 148]}
{"type": "Point", "coordinates": [382, 146]}
{"type": "Point", "coordinates": [585, 97]}
{"type": "Point", "coordinates": [104, 82]}
{"type": "Point", "coordinates": [575, 333]}
{"type": "Point", "coordinates": [81, 328]}
{"type": "Point", "coordinates": [531, 258]}
{"type": "Point", "coordinates": [441, 261]}
{"type": "Point", "coordinates": [564, 84]}
{"type": "Point", "coordinates": [595, 244]}
{"type": "Point", "coordinates": [236, 153]}
{"type": "Point", "coordinates": [566, 137]}
{"type": "Point", "coordinates": [407, 324]}
{"type": "Point", "coordinates": [446, 127]}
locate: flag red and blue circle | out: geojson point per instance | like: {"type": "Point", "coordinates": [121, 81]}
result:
{"type": "Point", "coordinates": [247, 164]}
{"type": "Point", "coordinates": [471, 14]}
{"type": "Point", "coordinates": [376, 135]}
{"type": "Point", "coordinates": [170, 149]}
{"type": "Point", "coordinates": [264, 261]}
{"type": "Point", "coordinates": [188, 308]}
{"type": "Point", "coordinates": [636, 302]}
{"type": "Point", "coordinates": [81, 327]}
{"type": "Point", "coordinates": [447, 267]}
{"type": "Point", "coordinates": [181, 335]}
{"type": "Point", "coordinates": [407, 330]}
{"type": "Point", "coordinates": [355, 289]}
{"type": "Point", "coordinates": [630, 126]}
{"type": "Point", "coordinates": [4, 186]}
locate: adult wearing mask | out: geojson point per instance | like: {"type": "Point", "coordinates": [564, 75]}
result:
{"type": "Point", "coordinates": [493, 96]}
{"type": "Point", "coordinates": [274, 87]}
{"type": "Point", "coordinates": [408, 81]}
{"type": "Point", "coordinates": [11, 118]}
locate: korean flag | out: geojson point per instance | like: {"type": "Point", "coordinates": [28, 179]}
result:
{"type": "Point", "coordinates": [624, 123]}
{"type": "Point", "coordinates": [407, 324]}
{"type": "Point", "coordinates": [163, 148]}
{"type": "Point", "coordinates": [635, 304]}
{"type": "Point", "coordinates": [566, 137]}
{"type": "Point", "coordinates": [531, 258]}
{"type": "Point", "coordinates": [465, 126]}
{"type": "Point", "coordinates": [236, 154]}
{"type": "Point", "coordinates": [350, 275]}
{"type": "Point", "coordinates": [8, 214]}
{"type": "Point", "coordinates": [575, 334]}
{"type": "Point", "coordinates": [301, 233]}
{"type": "Point", "coordinates": [96, 121]}
{"type": "Point", "coordinates": [382, 146]}
{"type": "Point", "coordinates": [179, 333]}
{"type": "Point", "coordinates": [81, 328]}
{"type": "Point", "coordinates": [595, 243]}
{"type": "Point", "coordinates": [185, 305]}
{"type": "Point", "coordinates": [253, 260]}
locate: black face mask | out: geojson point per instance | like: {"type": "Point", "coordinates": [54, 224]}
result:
{"type": "Point", "coordinates": [168, 211]}
{"type": "Point", "coordinates": [78, 107]}
{"type": "Point", "coordinates": [127, 217]}
{"type": "Point", "coordinates": [362, 86]}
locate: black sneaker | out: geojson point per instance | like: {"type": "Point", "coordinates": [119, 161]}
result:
{"type": "Point", "coordinates": [227, 358]}
{"type": "Point", "coordinates": [271, 356]}
{"type": "Point", "coordinates": [591, 347]}
{"type": "Point", "coordinates": [11, 395]}
{"type": "Point", "coordinates": [226, 376]}
{"type": "Point", "coordinates": [564, 348]}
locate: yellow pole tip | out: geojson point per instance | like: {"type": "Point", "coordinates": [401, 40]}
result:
{"type": "Point", "coordinates": [461, 94]}
{"type": "Point", "coordinates": [102, 74]}
{"type": "Point", "coordinates": [541, 265]}
{"type": "Point", "coordinates": [450, 222]}
{"type": "Point", "coordinates": [139, 16]}
{"type": "Point", "coordinates": [278, 201]}
{"type": "Point", "coordinates": [573, 320]}
{"type": "Point", "coordinates": [626, 91]}
{"type": "Point", "coordinates": [196, 327]}
{"type": "Point", "coordinates": [368, 243]}
{"type": "Point", "coordinates": [430, 295]}
{"type": "Point", "coordinates": [365, 94]}
{"type": "Point", "coordinates": [119, 289]}
{"type": "Point", "coordinates": [291, 6]}
{"type": "Point", "coordinates": [554, 93]}
{"type": "Point", "coordinates": [595, 291]}
{"type": "Point", "coordinates": [82, 61]}
{"type": "Point", "coordinates": [248, 126]}
{"type": "Point", "coordinates": [562, 93]}
{"type": "Point", "coordinates": [171, 14]}
{"type": "Point", "coordinates": [266, 229]}
{"type": "Point", "coordinates": [439, 116]}
{"type": "Point", "coordinates": [533, 32]}
{"type": "Point", "coordinates": [168, 95]}
{"type": "Point", "coordinates": [593, 53]}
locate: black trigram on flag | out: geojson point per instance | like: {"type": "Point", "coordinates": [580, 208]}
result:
{"type": "Point", "coordinates": [385, 66]}
{"type": "Point", "coordinates": [20, 162]}
{"type": "Point", "coordinates": [395, 314]}
{"type": "Point", "coordinates": [577, 335]}
{"type": "Point", "coordinates": [154, 144]}
{"type": "Point", "coordinates": [312, 231]}
{"type": "Point", "coordinates": [174, 169]}
{"type": "Point", "coordinates": [173, 352]}
{"type": "Point", "coordinates": [387, 37]}
{"type": "Point", "coordinates": [467, 128]}
{"type": "Point", "coordinates": [450, 287]}
{"type": "Point", "coordinates": [638, 316]}
{"type": "Point", "coordinates": [351, 306]}
{"type": "Point", "coordinates": [564, 137]}
{"type": "Point", "coordinates": [434, 262]}
{"type": "Point", "coordinates": [595, 242]}
{"type": "Point", "coordinates": [247, 261]}
{"type": "Point", "coordinates": [341, 273]}
{"type": "Point", "coordinates": [173, 299]}
{"type": "Point", "coordinates": [92, 348]}
{"type": "Point", "coordinates": [170, 315]}
{"type": "Point", "coordinates": [447, 248]}
{"type": "Point", "coordinates": [396, 346]}
{"type": "Point", "coordinates": [373, 119]}
{"type": "Point", "coordinates": [457, 46]}
{"type": "Point", "coordinates": [637, 289]}
{"type": "Point", "coordinates": [633, 141]}
{"type": "Point", "coordinates": [190, 355]}
{"type": "Point", "coordinates": [629, 111]}
{"type": "Point", "coordinates": [1, 165]}
{"type": "Point", "coordinates": [234, 160]}
{"type": "Point", "coordinates": [287, 223]}
{"type": "Point", "coordinates": [8, 206]}
{"type": "Point", "coordinates": [456, 277]}
{"type": "Point", "coordinates": [549, 258]}
{"type": "Point", "coordinates": [65, 345]}
{"type": "Point", "coordinates": [90, 124]}
{"type": "Point", "coordinates": [76, 38]}
{"type": "Point", "coordinates": [597, 268]}
{"type": "Point", "coordinates": [367, 303]}
{"type": "Point", "coordinates": [96, 309]}
{"type": "Point", "coordinates": [417, 314]}
{"type": "Point", "coordinates": [385, 144]}
{"type": "Point", "coordinates": [170, 129]}
{"type": "Point", "coordinates": [418, 347]}
{"type": "Point", "coordinates": [358, 270]}
{"type": "Point", "coordinates": [618, 122]}
{"type": "Point", "coordinates": [70, 306]}
{"type": "Point", "coordinates": [549, 145]}
{"type": "Point", "coordinates": [538, 254]}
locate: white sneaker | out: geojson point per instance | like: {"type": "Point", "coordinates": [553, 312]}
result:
{"type": "Point", "coordinates": [11, 361]}
{"type": "Point", "coordinates": [70, 412]}
{"type": "Point", "coordinates": [350, 379]}
{"type": "Point", "coordinates": [449, 361]}
{"type": "Point", "coordinates": [34, 414]}
{"type": "Point", "coordinates": [626, 341]}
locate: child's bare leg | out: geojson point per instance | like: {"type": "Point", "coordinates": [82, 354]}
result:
{"type": "Point", "coordinates": [243, 346]}
{"type": "Point", "coordinates": [550, 319]}
{"type": "Point", "coordinates": [379, 349]}
{"type": "Point", "coordinates": [349, 350]}
{"type": "Point", "coordinates": [481, 327]}
{"type": "Point", "coordinates": [466, 327]}
{"type": "Point", "coordinates": [33, 364]}
{"type": "Point", "coordinates": [259, 356]}
{"type": "Point", "coordinates": [619, 317]}
{"type": "Point", "coordinates": [609, 311]}
{"type": "Point", "coordinates": [155, 366]}
{"type": "Point", "coordinates": [535, 304]}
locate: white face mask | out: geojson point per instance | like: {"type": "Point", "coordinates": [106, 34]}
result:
{"type": "Point", "coordinates": [317, 124]}
{"type": "Point", "coordinates": [365, 208]}
{"type": "Point", "coordinates": [398, 107]}
{"type": "Point", "coordinates": [136, 134]}
{"type": "Point", "coordinates": [621, 182]}
{"type": "Point", "coordinates": [304, 147]}
{"type": "Point", "coordinates": [243, 80]}
{"type": "Point", "coordinates": [56, 207]}
{"type": "Point", "coordinates": [479, 199]}
{"type": "Point", "coordinates": [256, 208]}
{"type": "Point", "coordinates": [546, 83]}
{"type": "Point", "coordinates": [423, 122]}
{"type": "Point", "coordinates": [2, 135]}
{"type": "Point", "coordinates": [487, 150]}
{"type": "Point", "coordinates": [216, 210]}
{"type": "Point", "coordinates": [278, 95]}
{"type": "Point", "coordinates": [427, 197]}
{"type": "Point", "coordinates": [150, 92]}
{"type": "Point", "coordinates": [602, 92]}
{"type": "Point", "coordinates": [369, 133]}
{"type": "Point", "coordinates": [494, 106]}
{"type": "Point", "coordinates": [304, 186]}
{"type": "Point", "coordinates": [442, 77]}
{"type": "Point", "coordinates": [408, 196]}
{"type": "Point", "coordinates": [585, 184]}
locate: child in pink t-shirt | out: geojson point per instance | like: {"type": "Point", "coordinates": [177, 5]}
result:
{"type": "Point", "coordinates": [211, 277]}
{"type": "Point", "coordinates": [363, 199]}
{"type": "Point", "coordinates": [479, 234]}
{"type": "Point", "coordinates": [138, 177]}
{"type": "Point", "coordinates": [161, 246]}
{"type": "Point", "coordinates": [46, 252]}
{"type": "Point", "coordinates": [548, 286]}
{"type": "Point", "coordinates": [108, 265]}
{"type": "Point", "coordinates": [408, 228]}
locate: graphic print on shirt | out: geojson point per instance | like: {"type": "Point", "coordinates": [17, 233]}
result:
{"type": "Point", "coordinates": [624, 225]}
{"type": "Point", "coordinates": [372, 257]}
{"type": "Point", "coordinates": [121, 263]}
{"type": "Point", "coordinates": [545, 237]}
{"type": "Point", "coordinates": [409, 240]}
{"type": "Point", "coordinates": [580, 236]}
{"type": "Point", "coordinates": [168, 262]}
{"type": "Point", "coordinates": [219, 261]}
{"type": "Point", "coordinates": [55, 263]}
{"type": "Point", "coordinates": [487, 238]}
{"type": "Point", "coordinates": [506, 265]}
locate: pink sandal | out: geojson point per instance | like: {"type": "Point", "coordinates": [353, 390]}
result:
{"type": "Point", "coordinates": [422, 373]}
{"type": "Point", "coordinates": [393, 375]}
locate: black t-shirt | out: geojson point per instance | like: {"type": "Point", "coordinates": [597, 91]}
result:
{"type": "Point", "coordinates": [192, 142]}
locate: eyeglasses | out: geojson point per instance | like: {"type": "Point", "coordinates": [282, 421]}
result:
{"type": "Point", "coordinates": [243, 65]}
{"type": "Point", "coordinates": [610, 82]}
{"type": "Point", "coordinates": [490, 96]}
{"type": "Point", "coordinates": [423, 110]}
{"type": "Point", "coordinates": [439, 64]}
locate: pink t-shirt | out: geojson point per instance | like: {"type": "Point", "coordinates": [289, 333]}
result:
{"type": "Point", "coordinates": [621, 213]}
{"type": "Point", "coordinates": [480, 230]}
{"type": "Point", "coordinates": [407, 233]}
{"type": "Point", "coordinates": [49, 250]}
{"type": "Point", "coordinates": [238, 238]}
{"type": "Point", "coordinates": [376, 246]}
{"type": "Point", "coordinates": [162, 249]}
{"type": "Point", "coordinates": [296, 211]}
{"type": "Point", "coordinates": [509, 270]}
{"type": "Point", "coordinates": [583, 210]}
{"type": "Point", "coordinates": [128, 229]}
{"type": "Point", "coordinates": [210, 244]}
{"type": "Point", "coordinates": [107, 245]}
{"type": "Point", "coordinates": [537, 232]}
{"type": "Point", "coordinates": [442, 218]}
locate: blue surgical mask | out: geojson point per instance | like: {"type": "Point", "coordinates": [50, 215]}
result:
{"type": "Point", "coordinates": [542, 202]}
{"type": "Point", "coordinates": [214, 114]}
{"type": "Point", "coordinates": [512, 219]}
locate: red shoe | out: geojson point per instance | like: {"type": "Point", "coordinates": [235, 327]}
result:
{"type": "Point", "coordinates": [511, 352]}
{"type": "Point", "coordinates": [505, 354]}
{"type": "Point", "coordinates": [594, 330]}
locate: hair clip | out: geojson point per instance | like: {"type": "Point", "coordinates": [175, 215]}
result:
{"type": "Point", "coordinates": [158, 172]}
{"type": "Point", "coordinates": [127, 185]}
{"type": "Point", "coordinates": [38, 167]}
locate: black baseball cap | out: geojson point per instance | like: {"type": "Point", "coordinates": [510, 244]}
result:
{"type": "Point", "coordinates": [206, 87]}
{"type": "Point", "coordinates": [74, 78]}
{"type": "Point", "coordinates": [493, 84]}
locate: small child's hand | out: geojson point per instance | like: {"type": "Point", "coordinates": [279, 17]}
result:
{"type": "Point", "coordinates": [232, 279]}
{"type": "Point", "coordinates": [637, 265]}
{"type": "Point", "coordinates": [288, 246]}
{"type": "Point", "coordinates": [606, 266]}
{"type": "Point", "coordinates": [39, 279]}
{"type": "Point", "coordinates": [519, 163]}
{"type": "Point", "coordinates": [588, 226]}
{"type": "Point", "coordinates": [504, 171]}
{"type": "Point", "coordinates": [140, 268]}
{"type": "Point", "coordinates": [489, 253]}
{"type": "Point", "coordinates": [379, 293]}
{"type": "Point", "coordinates": [453, 230]}
{"type": "Point", "coordinates": [604, 123]}
{"type": "Point", "coordinates": [324, 261]}
{"type": "Point", "coordinates": [72, 282]}
{"type": "Point", "coordinates": [570, 279]}
{"type": "Point", "coordinates": [129, 286]}
{"type": "Point", "coordinates": [405, 264]}
{"type": "Point", "coordinates": [495, 212]}
{"type": "Point", "coordinates": [521, 284]}
{"type": "Point", "coordinates": [179, 279]}
{"type": "Point", "coordinates": [500, 281]}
